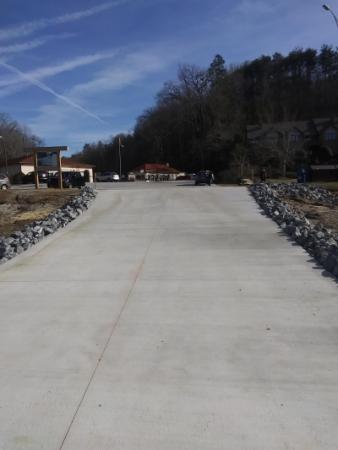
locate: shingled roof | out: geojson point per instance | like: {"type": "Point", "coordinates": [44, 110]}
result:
{"type": "Point", "coordinates": [28, 160]}
{"type": "Point", "coordinates": [155, 168]}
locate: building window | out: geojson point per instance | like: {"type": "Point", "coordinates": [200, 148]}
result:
{"type": "Point", "coordinates": [330, 134]}
{"type": "Point", "coordinates": [294, 136]}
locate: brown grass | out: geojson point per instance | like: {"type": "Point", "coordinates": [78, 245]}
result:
{"type": "Point", "coordinates": [18, 208]}
{"type": "Point", "coordinates": [316, 212]}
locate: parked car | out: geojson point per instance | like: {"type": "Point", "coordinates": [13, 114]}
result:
{"type": "Point", "coordinates": [69, 180]}
{"type": "Point", "coordinates": [187, 176]}
{"type": "Point", "coordinates": [4, 182]}
{"type": "Point", "coordinates": [204, 177]}
{"type": "Point", "coordinates": [29, 178]}
{"type": "Point", "coordinates": [107, 176]}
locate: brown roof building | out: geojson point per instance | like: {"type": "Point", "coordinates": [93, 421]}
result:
{"type": "Point", "coordinates": [23, 165]}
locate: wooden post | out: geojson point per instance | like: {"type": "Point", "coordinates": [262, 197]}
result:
{"type": "Point", "coordinates": [36, 173]}
{"type": "Point", "coordinates": [54, 166]}
{"type": "Point", "coordinates": [60, 170]}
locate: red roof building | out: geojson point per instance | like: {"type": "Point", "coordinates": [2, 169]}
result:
{"type": "Point", "coordinates": [156, 168]}
{"type": "Point", "coordinates": [155, 171]}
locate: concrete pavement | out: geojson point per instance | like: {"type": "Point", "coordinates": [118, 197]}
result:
{"type": "Point", "coordinates": [168, 318]}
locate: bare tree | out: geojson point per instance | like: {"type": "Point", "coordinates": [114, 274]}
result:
{"type": "Point", "coordinates": [16, 139]}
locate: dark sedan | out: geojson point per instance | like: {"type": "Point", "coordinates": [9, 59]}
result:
{"type": "Point", "coordinates": [69, 180]}
{"type": "Point", "coordinates": [204, 177]}
{"type": "Point", "coordinates": [29, 178]}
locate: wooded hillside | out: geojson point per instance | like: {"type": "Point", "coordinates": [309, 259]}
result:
{"type": "Point", "coordinates": [199, 120]}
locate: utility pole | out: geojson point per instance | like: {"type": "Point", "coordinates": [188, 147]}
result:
{"type": "Point", "coordinates": [286, 150]}
{"type": "Point", "coordinates": [5, 153]}
{"type": "Point", "coordinates": [120, 159]}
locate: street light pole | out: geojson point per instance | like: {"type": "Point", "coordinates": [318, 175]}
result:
{"type": "Point", "coordinates": [5, 153]}
{"type": "Point", "coordinates": [327, 8]}
{"type": "Point", "coordinates": [120, 146]}
{"type": "Point", "coordinates": [120, 156]}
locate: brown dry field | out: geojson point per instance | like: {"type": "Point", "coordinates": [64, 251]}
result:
{"type": "Point", "coordinates": [316, 212]}
{"type": "Point", "coordinates": [17, 208]}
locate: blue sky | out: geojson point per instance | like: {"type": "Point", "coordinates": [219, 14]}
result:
{"type": "Point", "coordinates": [79, 71]}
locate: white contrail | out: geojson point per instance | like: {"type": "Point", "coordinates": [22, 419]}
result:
{"type": "Point", "coordinates": [16, 48]}
{"type": "Point", "coordinates": [51, 91]}
{"type": "Point", "coordinates": [27, 28]}
{"type": "Point", "coordinates": [56, 69]}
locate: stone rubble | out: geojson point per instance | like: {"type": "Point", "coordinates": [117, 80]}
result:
{"type": "Point", "coordinates": [320, 242]}
{"type": "Point", "coordinates": [34, 232]}
{"type": "Point", "coordinates": [314, 194]}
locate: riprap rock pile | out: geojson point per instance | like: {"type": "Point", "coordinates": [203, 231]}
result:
{"type": "Point", "coordinates": [320, 242]}
{"type": "Point", "coordinates": [32, 233]}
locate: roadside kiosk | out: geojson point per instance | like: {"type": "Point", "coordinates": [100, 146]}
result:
{"type": "Point", "coordinates": [48, 159]}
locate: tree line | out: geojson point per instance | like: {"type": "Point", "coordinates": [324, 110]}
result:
{"type": "Point", "coordinates": [200, 119]}
{"type": "Point", "coordinates": [16, 139]}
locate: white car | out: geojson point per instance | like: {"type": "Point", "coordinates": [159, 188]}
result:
{"type": "Point", "coordinates": [4, 182]}
{"type": "Point", "coordinates": [107, 176]}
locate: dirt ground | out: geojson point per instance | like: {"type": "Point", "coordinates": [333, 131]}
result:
{"type": "Point", "coordinates": [18, 208]}
{"type": "Point", "coordinates": [316, 212]}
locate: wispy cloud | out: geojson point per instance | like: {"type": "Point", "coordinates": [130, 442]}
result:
{"type": "Point", "coordinates": [132, 67]}
{"type": "Point", "coordinates": [51, 91]}
{"type": "Point", "coordinates": [55, 118]}
{"type": "Point", "coordinates": [30, 45]}
{"type": "Point", "coordinates": [257, 7]}
{"type": "Point", "coordinates": [28, 28]}
{"type": "Point", "coordinates": [128, 69]}
{"type": "Point", "coordinates": [12, 84]}
{"type": "Point", "coordinates": [253, 28]}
